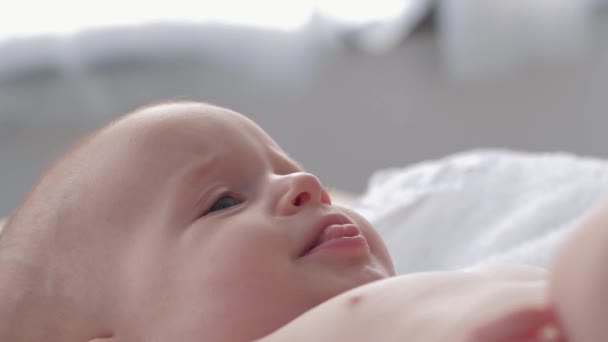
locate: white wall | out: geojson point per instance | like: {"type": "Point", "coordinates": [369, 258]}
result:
{"type": "Point", "coordinates": [343, 114]}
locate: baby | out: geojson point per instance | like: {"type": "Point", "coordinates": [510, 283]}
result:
{"type": "Point", "coordinates": [180, 222]}
{"type": "Point", "coordinates": [187, 222]}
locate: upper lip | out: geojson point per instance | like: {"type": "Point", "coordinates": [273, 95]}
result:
{"type": "Point", "coordinates": [315, 234]}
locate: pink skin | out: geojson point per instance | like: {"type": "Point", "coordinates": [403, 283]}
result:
{"type": "Point", "coordinates": [148, 254]}
{"type": "Point", "coordinates": [497, 304]}
{"type": "Point", "coordinates": [580, 280]}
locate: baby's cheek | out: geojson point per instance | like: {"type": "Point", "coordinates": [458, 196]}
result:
{"type": "Point", "coordinates": [377, 246]}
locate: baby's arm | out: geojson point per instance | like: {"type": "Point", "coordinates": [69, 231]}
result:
{"type": "Point", "coordinates": [579, 283]}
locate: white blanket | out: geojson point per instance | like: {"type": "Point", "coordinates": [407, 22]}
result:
{"type": "Point", "coordinates": [481, 206]}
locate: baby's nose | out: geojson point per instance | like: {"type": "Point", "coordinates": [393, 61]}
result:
{"type": "Point", "coordinates": [303, 189]}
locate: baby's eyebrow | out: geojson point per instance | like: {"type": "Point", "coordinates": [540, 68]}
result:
{"type": "Point", "coordinates": [193, 178]}
{"type": "Point", "coordinates": [284, 158]}
{"type": "Point", "coordinates": [296, 163]}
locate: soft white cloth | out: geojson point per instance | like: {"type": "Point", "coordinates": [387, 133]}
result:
{"type": "Point", "coordinates": [481, 206]}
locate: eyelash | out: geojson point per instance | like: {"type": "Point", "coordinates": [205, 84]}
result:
{"type": "Point", "coordinates": [237, 197]}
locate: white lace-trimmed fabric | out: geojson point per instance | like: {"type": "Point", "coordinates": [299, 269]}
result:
{"type": "Point", "coordinates": [481, 206]}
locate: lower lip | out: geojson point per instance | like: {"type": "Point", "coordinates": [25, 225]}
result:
{"type": "Point", "coordinates": [347, 244]}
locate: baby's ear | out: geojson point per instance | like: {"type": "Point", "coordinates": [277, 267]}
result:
{"type": "Point", "coordinates": [529, 324]}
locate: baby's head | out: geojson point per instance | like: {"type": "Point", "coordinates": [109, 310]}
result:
{"type": "Point", "coordinates": [181, 221]}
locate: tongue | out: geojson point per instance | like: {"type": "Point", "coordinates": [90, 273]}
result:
{"type": "Point", "coordinates": [336, 231]}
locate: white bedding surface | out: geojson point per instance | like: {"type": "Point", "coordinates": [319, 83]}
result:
{"type": "Point", "coordinates": [481, 206]}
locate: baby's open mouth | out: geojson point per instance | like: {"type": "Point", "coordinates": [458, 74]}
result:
{"type": "Point", "coordinates": [337, 236]}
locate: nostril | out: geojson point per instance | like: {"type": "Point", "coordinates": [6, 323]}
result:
{"type": "Point", "coordinates": [301, 199]}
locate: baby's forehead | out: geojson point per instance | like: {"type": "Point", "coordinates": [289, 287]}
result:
{"type": "Point", "coordinates": [181, 123]}
{"type": "Point", "coordinates": [164, 138]}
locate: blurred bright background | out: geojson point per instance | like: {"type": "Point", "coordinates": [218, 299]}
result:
{"type": "Point", "coordinates": [347, 88]}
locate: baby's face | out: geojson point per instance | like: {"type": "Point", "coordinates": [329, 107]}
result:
{"type": "Point", "coordinates": [214, 231]}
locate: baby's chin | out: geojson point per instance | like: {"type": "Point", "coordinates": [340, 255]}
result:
{"type": "Point", "coordinates": [367, 275]}
{"type": "Point", "coordinates": [383, 266]}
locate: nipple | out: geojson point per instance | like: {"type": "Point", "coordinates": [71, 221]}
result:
{"type": "Point", "coordinates": [550, 333]}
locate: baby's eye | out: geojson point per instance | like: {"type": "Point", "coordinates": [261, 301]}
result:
{"type": "Point", "coordinates": [223, 203]}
